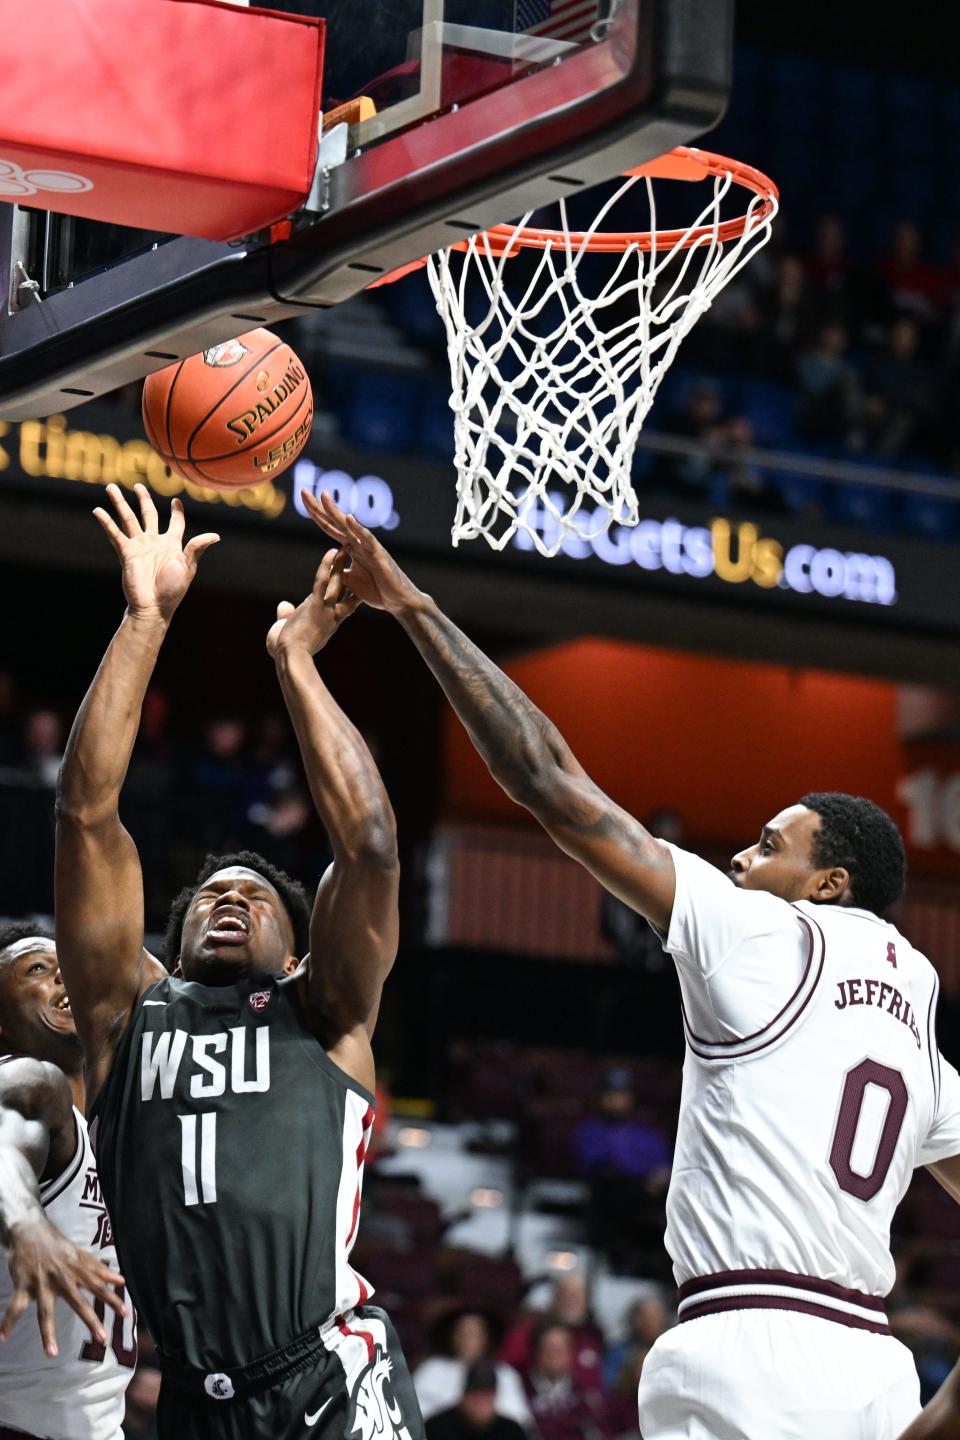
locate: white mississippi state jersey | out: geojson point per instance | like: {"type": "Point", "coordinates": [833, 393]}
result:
{"type": "Point", "coordinates": [79, 1394]}
{"type": "Point", "coordinates": [812, 1086]}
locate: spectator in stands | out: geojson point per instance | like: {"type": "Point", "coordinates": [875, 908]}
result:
{"type": "Point", "coordinates": [828, 270]}
{"type": "Point", "coordinates": [626, 1157]}
{"type": "Point", "coordinates": [646, 1320]}
{"type": "Point", "coordinates": [563, 1407]}
{"type": "Point", "coordinates": [789, 312]}
{"type": "Point", "coordinates": [627, 931]}
{"type": "Point", "coordinates": [622, 1396]}
{"type": "Point", "coordinates": [570, 1307]}
{"type": "Point", "coordinates": [142, 1395]}
{"type": "Point", "coordinates": [617, 1142]}
{"type": "Point", "coordinates": [701, 418]}
{"type": "Point", "coordinates": [914, 285]}
{"type": "Point", "coordinates": [43, 746]}
{"type": "Point", "coordinates": [830, 397]}
{"type": "Point", "coordinates": [464, 1339]}
{"type": "Point", "coordinates": [744, 482]}
{"type": "Point", "coordinates": [477, 1412]}
{"type": "Point", "coordinates": [220, 783]}
{"type": "Point", "coordinates": [901, 396]}
{"type": "Point", "coordinates": [277, 826]}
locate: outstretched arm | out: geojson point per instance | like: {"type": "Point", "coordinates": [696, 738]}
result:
{"type": "Point", "coordinates": [99, 887]}
{"type": "Point", "coordinates": [354, 926]}
{"type": "Point", "coordinates": [37, 1141]}
{"type": "Point", "coordinates": [523, 750]}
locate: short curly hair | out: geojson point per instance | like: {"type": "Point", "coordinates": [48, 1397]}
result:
{"type": "Point", "coordinates": [19, 930]}
{"type": "Point", "coordinates": [291, 892]}
{"type": "Point", "coordinates": [857, 834]}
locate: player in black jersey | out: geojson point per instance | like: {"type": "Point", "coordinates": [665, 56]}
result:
{"type": "Point", "coordinates": [232, 1101]}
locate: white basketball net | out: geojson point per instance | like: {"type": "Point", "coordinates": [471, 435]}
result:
{"type": "Point", "coordinates": [551, 386]}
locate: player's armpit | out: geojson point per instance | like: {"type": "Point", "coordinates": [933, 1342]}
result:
{"type": "Point", "coordinates": [947, 1173]}
{"type": "Point", "coordinates": [617, 850]}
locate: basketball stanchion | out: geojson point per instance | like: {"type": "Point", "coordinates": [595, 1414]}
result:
{"type": "Point", "coordinates": [552, 378]}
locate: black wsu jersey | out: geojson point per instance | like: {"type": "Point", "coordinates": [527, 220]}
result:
{"type": "Point", "coordinates": [230, 1149]}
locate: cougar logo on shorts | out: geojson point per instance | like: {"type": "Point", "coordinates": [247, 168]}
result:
{"type": "Point", "coordinates": [377, 1413]}
{"type": "Point", "coordinates": [220, 356]}
{"type": "Point", "coordinates": [259, 1000]}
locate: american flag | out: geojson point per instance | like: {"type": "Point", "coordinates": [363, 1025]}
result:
{"type": "Point", "coordinates": [570, 20]}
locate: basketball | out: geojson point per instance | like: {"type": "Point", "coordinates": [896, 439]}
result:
{"type": "Point", "coordinates": [233, 415]}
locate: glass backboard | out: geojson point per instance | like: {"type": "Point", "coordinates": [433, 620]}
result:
{"type": "Point", "coordinates": [441, 117]}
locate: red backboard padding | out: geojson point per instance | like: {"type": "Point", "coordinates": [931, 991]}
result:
{"type": "Point", "coordinates": [185, 116]}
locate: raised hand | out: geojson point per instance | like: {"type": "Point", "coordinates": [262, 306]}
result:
{"type": "Point", "coordinates": [158, 569]}
{"type": "Point", "coordinates": [374, 576]}
{"type": "Point", "coordinates": [44, 1266]}
{"type": "Point", "coordinates": [310, 624]}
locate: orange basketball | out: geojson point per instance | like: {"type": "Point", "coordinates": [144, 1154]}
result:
{"type": "Point", "coordinates": [233, 415]}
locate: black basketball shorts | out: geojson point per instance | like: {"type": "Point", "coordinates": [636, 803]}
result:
{"type": "Point", "coordinates": [350, 1382]}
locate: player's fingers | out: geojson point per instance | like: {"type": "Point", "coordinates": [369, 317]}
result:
{"type": "Point", "coordinates": [347, 604]}
{"type": "Point", "coordinates": [334, 588]}
{"type": "Point", "coordinates": [46, 1318]}
{"type": "Point", "coordinates": [324, 570]}
{"type": "Point", "coordinates": [86, 1312]}
{"type": "Point", "coordinates": [114, 534]}
{"type": "Point", "coordinates": [320, 517]}
{"type": "Point", "coordinates": [128, 521]}
{"type": "Point", "coordinates": [285, 609]}
{"type": "Point", "coordinates": [199, 545]}
{"type": "Point", "coordinates": [178, 520]}
{"type": "Point", "coordinates": [332, 511]}
{"type": "Point", "coordinates": [149, 518]}
{"type": "Point", "coordinates": [103, 1283]}
{"type": "Point", "coordinates": [18, 1303]}
{"type": "Point", "coordinates": [335, 511]}
{"type": "Point", "coordinates": [359, 534]}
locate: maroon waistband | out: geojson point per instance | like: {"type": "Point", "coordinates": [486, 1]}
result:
{"type": "Point", "coordinates": [782, 1290]}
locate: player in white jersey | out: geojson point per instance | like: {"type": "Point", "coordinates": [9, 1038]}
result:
{"type": "Point", "coordinates": [812, 1083]}
{"type": "Point", "coordinates": [69, 1340]}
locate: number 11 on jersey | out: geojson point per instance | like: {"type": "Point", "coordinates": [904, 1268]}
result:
{"type": "Point", "coordinates": [202, 1165]}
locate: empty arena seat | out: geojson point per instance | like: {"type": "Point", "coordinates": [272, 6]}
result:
{"type": "Point", "coordinates": [382, 412]}
{"type": "Point", "coordinates": [770, 408]}
{"type": "Point", "coordinates": [436, 426]}
{"type": "Point", "coordinates": [935, 516]}
{"type": "Point", "coordinates": [869, 507]}
{"type": "Point", "coordinates": [492, 1284]}
{"type": "Point", "coordinates": [802, 494]}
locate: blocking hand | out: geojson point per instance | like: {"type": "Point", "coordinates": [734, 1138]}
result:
{"type": "Point", "coordinates": [311, 623]}
{"type": "Point", "coordinates": [374, 576]}
{"type": "Point", "coordinates": [158, 569]}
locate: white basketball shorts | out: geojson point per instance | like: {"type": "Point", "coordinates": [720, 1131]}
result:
{"type": "Point", "coordinates": [776, 1375]}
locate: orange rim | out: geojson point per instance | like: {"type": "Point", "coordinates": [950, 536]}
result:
{"type": "Point", "coordinates": [683, 163]}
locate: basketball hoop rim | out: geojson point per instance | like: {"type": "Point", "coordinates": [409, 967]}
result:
{"type": "Point", "coordinates": [684, 162]}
